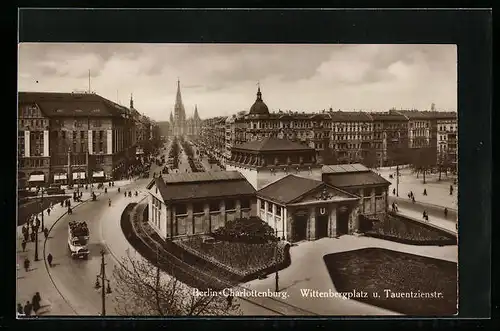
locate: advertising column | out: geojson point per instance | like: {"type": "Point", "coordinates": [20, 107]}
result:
{"type": "Point", "coordinates": [27, 143]}
{"type": "Point", "coordinates": [45, 143]}
{"type": "Point", "coordinates": [109, 137]}
{"type": "Point", "coordinates": [90, 142]}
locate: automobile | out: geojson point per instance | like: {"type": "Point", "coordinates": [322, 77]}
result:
{"type": "Point", "coordinates": [53, 189]}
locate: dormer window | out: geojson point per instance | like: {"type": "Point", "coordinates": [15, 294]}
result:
{"type": "Point", "coordinates": [60, 110]}
{"type": "Point", "coordinates": [97, 110]}
{"type": "Point", "coordinates": [78, 110]}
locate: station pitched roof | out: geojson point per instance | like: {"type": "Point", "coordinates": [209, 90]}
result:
{"type": "Point", "coordinates": [289, 188]}
{"type": "Point", "coordinates": [220, 184]}
{"type": "Point", "coordinates": [351, 175]}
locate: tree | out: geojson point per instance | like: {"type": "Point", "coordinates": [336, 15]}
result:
{"type": "Point", "coordinates": [423, 159]}
{"type": "Point", "coordinates": [369, 158]}
{"type": "Point", "coordinates": [142, 290]}
{"type": "Point", "coordinates": [328, 155]}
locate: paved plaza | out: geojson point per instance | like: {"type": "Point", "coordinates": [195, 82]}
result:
{"type": "Point", "coordinates": [438, 191]}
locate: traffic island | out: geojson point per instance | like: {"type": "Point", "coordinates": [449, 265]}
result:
{"type": "Point", "coordinates": [405, 283]}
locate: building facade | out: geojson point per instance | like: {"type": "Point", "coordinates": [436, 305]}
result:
{"type": "Point", "coordinates": [371, 138]}
{"type": "Point", "coordinates": [197, 203]}
{"type": "Point", "coordinates": [71, 138]}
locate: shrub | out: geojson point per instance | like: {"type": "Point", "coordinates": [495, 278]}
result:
{"type": "Point", "coordinates": [248, 230]}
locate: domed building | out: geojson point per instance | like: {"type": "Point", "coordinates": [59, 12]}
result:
{"type": "Point", "coordinates": [259, 108]}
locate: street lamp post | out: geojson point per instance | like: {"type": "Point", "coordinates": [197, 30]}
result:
{"type": "Point", "coordinates": [36, 244]}
{"type": "Point", "coordinates": [276, 276]}
{"type": "Point", "coordinates": [104, 290]}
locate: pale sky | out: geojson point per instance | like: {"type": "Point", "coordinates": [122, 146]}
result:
{"type": "Point", "coordinates": [222, 78]}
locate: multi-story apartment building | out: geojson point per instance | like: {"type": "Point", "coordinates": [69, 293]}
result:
{"type": "Point", "coordinates": [374, 139]}
{"type": "Point", "coordinates": [351, 136]}
{"type": "Point", "coordinates": [73, 137]}
{"type": "Point", "coordinates": [447, 140]}
{"type": "Point", "coordinates": [390, 137]}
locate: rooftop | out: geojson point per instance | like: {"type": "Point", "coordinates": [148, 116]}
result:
{"type": "Point", "coordinates": [343, 168]}
{"type": "Point", "coordinates": [191, 177]}
{"type": "Point", "coordinates": [289, 188]}
{"type": "Point", "coordinates": [72, 104]}
{"type": "Point", "coordinates": [272, 144]}
{"type": "Point", "coordinates": [354, 179]}
{"type": "Point", "coordinates": [200, 187]}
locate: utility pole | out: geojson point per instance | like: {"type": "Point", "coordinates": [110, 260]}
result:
{"type": "Point", "coordinates": [397, 179]}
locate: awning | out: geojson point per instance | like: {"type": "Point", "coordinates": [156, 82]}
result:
{"type": "Point", "coordinates": [78, 175]}
{"type": "Point", "coordinates": [98, 174]}
{"type": "Point", "coordinates": [60, 177]}
{"type": "Point", "coordinates": [36, 178]}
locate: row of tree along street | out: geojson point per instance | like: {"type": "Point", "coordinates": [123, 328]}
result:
{"type": "Point", "coordinates": [174, 153]}
{"type": "Point", "coordinates": [188, 149]}
{"type": "Point", "coordinates": [423, 160]}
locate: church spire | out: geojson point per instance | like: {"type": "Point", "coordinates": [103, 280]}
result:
{"type": "Point", "coordinates": [131, 101]}
{"type": "Point", "coordinates": [171, 118]}
{"type": "Point", "coordinates": [196, 116]}
{"type": "Point", "coordinates": [178, 98]}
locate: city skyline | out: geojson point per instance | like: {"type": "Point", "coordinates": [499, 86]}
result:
{"type": "Point", "coordinates": [222, 79]}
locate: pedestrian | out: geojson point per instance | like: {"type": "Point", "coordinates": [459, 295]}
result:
{"type": "Point", "coordinates": [23, 245]}
{"type": "Point", "coordinates": [70, 212]}
{"type": "Point", "coordinates": [33, 234]}
{"type": "Point", "coordinates": [118, 190]}
{"type": "Point", "coordinates": [396, 207]}
{"type": "Point", "coordinates": [125, 194]}
{"type": "Point", "coordinates": [48, 212]}
{"type": "Point", "coordinates": [37, 223]}
{"type": "Point", "coordinates": [46, 232]}
{"type": "Point", "coordinates": [451, 189]}
{"type": "Point", "coordinates": [49, 259]}
{"type": "Point", "coordinates": [62, 203]}
{"type": "Point", "coordinates": [229, 301]}
{"type": "Point", "coordinates": [413, 199]}
{"type": "Point", "coordinates": [28, 308]}
{"type": "Point", "coordinates": [36, 302]}
{"type": "Point", "coordinates": [425, 191]}
{"type": "Point", "coordinates": [27, 264]}
{"type": "Point", "coordinates": [445, 212]}
{"type": "Point", "coordinates": [392, 206]}
{"type": "Point", "coordinates": [423, 214]}
{"type": "Point", "coordinates": [20, 309]}
{"type": "Point", "coordinates": [26, 235]}
{"type": "Point", "coordinates": [393, 191]}
{"type": "Point", "coordinates": [109, 202]}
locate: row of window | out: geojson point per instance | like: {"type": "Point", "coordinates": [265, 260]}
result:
{"type": "Point", "coordinates": [269, 205]}
{"type": "Point", "coordinates": [35, 123]}
{"type": "Point", "coordinates": [213, 205]}
{"type": "Point", "coordinates": [32, 163]}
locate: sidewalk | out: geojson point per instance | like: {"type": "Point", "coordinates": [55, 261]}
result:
{"type": "Point", "coordinates": [439, 222]}
{"type": "Point", "coordinates": [438, 192]}
{"type": "Point", "coordinates": [37, 278]}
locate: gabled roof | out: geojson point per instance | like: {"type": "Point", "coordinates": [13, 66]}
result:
{"type": "Point", "coordinates": [272, 144]}
{"type": "Point", "coordinates": [186, 189]}
{"type": "Point", "coordinates": [289, 188]}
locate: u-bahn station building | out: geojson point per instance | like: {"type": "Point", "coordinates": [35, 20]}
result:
{"type": "Point", "coordinates": [277, 180]}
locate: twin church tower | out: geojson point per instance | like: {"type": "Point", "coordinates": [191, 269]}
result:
{"type": "Point", "coordinates": [179, 124]}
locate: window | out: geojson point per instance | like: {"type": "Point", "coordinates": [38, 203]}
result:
{"type": "Point", "coordinates": [180, 209]}
{"type": "Point", "coordinates": [230, 204]}
{"type": "Point", "coordinates": [74, 134]}
{"type": "Point", "coordinates": [82, 134]}
{"type": "Point", "coordinates": [101, 134]}
{"type": "Point", "coordinates": [245, 203]}
{"type": "Point", "coordinates": [215, 205]}
{"type": "Point", "coordinates": [198, 207]}
{"type": "Point", "coordinates": [278, 210]}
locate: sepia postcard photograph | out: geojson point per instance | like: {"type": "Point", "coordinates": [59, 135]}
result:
{"type": "Point", "coordinates": [237, 180]}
